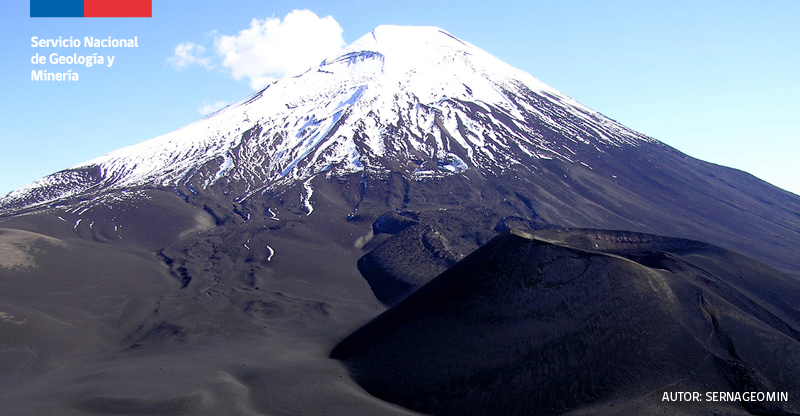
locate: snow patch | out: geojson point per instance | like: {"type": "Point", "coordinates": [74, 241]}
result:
{"type": "Point", "coordinates": [307, 197]}
{"type": "Point", "coordinates": [271, 253]}
{"type": "Point", "coordinates": [226, 165]}
{"type": "Point", "coordinates": [452, 163]}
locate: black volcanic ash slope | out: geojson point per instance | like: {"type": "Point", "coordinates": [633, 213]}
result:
{"type": "Point", "coordinates": [527, 326]}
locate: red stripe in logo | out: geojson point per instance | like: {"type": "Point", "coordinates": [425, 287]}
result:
{"type": "Point", "coordinates": [118, 8]}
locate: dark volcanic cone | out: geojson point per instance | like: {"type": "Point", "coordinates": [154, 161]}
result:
{"type": "Point", "coordinates": [405, 262]}
{"type": "Point", "coordinates": [526, 326]}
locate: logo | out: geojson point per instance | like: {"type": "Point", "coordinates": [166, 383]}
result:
{"type": "Point", "coordinates": [91, 8]}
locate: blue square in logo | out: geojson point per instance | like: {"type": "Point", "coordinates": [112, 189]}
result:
{"type": "Point", "coordinates": [56, 8]}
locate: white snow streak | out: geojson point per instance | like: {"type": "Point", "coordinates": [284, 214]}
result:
{"type": "Point", "coordinates": [307, 197]}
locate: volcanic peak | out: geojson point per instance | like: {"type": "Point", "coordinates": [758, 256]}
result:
{"type": "Point", "coordinates": [414, 101]}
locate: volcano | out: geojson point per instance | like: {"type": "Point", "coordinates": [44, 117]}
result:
{"type": "Point", "coordinates": [216, 267]}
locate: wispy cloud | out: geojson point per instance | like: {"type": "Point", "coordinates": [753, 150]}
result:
{"type": "Point", "coordinates": [187, 54]}
{"type": "Point", "coordinates": [269, 49]}
{"type": "Point", "coordinates": [208, 108]}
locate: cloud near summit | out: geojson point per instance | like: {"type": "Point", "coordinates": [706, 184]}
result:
{"type": "Point", "coordinates": [269, 49]}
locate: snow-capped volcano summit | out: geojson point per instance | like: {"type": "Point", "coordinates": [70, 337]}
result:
{"type": "Point", "coordinates": [423, 117]}
{"type": "Point", "coordinates": [414, 100]}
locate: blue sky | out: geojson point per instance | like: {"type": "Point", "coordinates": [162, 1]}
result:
{"type": "Point", "coordinates": [718, 80]}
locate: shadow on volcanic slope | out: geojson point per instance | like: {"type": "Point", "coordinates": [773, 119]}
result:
{"type": "Point", "coordinates": [577, 321]}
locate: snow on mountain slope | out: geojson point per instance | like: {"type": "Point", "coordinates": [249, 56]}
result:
{"type": "Point", "coordinates": [413, 99]}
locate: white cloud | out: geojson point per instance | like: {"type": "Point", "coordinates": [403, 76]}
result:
{"type": "Point", "coordinates": [208, 108]}
{"type": "Point", "coordinates": [268, 50]}
{"type": "Point", "coordinates": [186, 54]}
{"type": "Point", "coordinates": [273, 48]}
